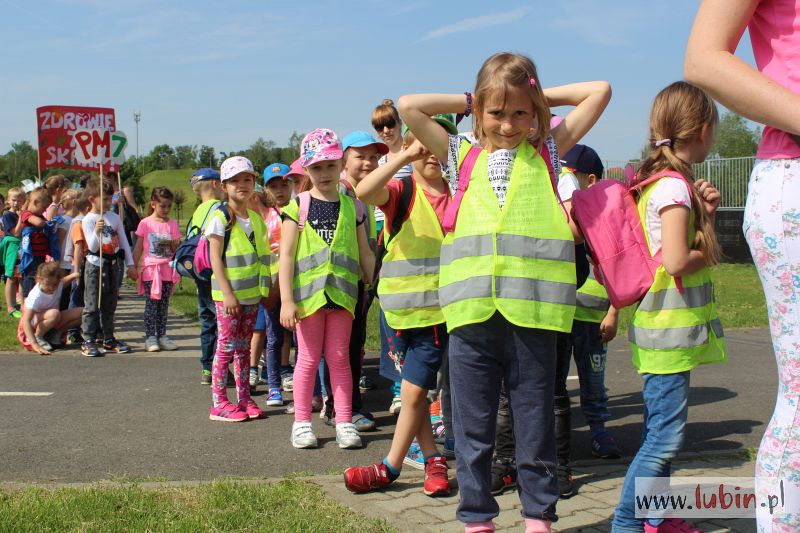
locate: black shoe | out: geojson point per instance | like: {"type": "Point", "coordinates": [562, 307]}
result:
{"type": "Point", "coordinates": [365, 383]}
{"type": "Point", "coordinates": [504, 476]}
{"type": "Point", "coordinates": [566, 487]}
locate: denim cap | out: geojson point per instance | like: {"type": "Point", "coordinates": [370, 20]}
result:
{"type": "Point", "coordinates": [203, 174]}
{"type": "Point", "coordinates": [582, 158]}
{"type": "Point", "coordinates": [447, 120]}
{"type": "Point", "coordinates": [320, 145]}
{"type": "Point", "coordinates": [359, 139]}
{"type": "Point", "coordinates": [234, 166]}
{"type": "Point", "coordinates": [276, 170]}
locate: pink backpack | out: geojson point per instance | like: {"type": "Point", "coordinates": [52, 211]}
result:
{"type": "Point", "coordinates": [607, 215]}
{"type": "Point", "coordinates": [305, 203]}
{"type": "Point", "coordinates": [464, 174]}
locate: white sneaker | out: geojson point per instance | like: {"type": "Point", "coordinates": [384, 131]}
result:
{"type": "Point", "coordinates": [347, 436]}
{"type": "Point", "coordinates": [253, 381]}
{"type": "Point", "coordinates": [394, 407]}
{"type": "Point", "coordinates": [166, 344]}
{"type": "Point", "coordinates": [303, 435]}
{"type": "Point", "coordinates": [151, 344]}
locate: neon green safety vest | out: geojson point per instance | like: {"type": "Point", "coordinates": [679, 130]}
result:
{"type": "Point", "coordinates": [321, 270]}
{"type": "Point", "coordinates": [674, 331]}
{"type": "Point", "coordinates": [591, 304]}
{"type": "Point", "coordinates": [409, 280]}
{"type": "Point", "coordinates": [247, 268]}
{"type": "Point", "coordinates": [372, 227]}
{"type": "Point", "coordinates": [518, 260]}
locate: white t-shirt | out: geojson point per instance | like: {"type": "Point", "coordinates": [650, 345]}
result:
{"type": "Point", "coordinates": [216, 226]}
{"type": "Point", "coordinates": [567, 184]}
{"type": "Point", "coordinates": [113, 238]}
{"type": "Point", "coordinates": [498, 165]}
{"type": "Point", "coordinates": [666, 192]}
{"type": "Point", "coordinates": [39, 302]}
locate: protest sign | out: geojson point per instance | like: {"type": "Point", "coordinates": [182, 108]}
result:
{"type": "Point", "coordinates": [56, 127]}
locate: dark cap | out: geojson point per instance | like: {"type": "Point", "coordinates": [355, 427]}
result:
{"type": "Point", "coordinates": [582, 158]}
{"type": "Point", "coordinates": [203, 174]}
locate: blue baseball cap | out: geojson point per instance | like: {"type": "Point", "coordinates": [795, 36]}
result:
{"type": "Point", "coordinates": [276, 170]}
{"type": "Point", "coordinates": [203, 174]}
{"type": "Point", "coordinates": [359, 139]}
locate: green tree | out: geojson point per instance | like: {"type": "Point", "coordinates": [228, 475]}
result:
{"type": "Point", "coordinates": [186, 156]}
{"type": "Point", "coordinates": [259, 153]}
{"type": "Point", "coordinates": [735, 138]}
{"type": "Point", "coordinates": [207, 157]}
{"type": "Point", "coordinates": [22, 161]}
{"type": "Point", "coordinates": [161, 157]}
{"type": "Point", "coordinates": [294, 142]}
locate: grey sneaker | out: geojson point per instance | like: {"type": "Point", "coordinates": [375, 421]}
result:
{"type": "Point", "coordinates": [151, 344]}
{"type": "Point", "coordinates": [347, 436]}
{"type": "Point", "coordinates": [287, 382]}
{"type": "Point", "coordinates": [303, 435]}
{"type": "Point", "coordinates": [253, 379]}
{"type": "Point", "coordinates": [166, 344]}
{"type": "Point", "coordinates": [44, 344]}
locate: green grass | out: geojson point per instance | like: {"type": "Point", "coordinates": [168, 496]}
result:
{"type": "Point", "coordinates": [174, 180]}
{"type": "Point", "coordinates": [290, 505]}
{"type": "Point", "coordinates": [8, 332]}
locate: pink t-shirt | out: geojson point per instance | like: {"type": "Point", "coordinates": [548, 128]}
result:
{"type": "Point", "coordinates": [439, 202]}
{"type": "Point", "coordinates": [273, 223]}
{"type": "Point", "coordinates": [775, 35]}
{"type": "Point", "coordinates": [156, 246]}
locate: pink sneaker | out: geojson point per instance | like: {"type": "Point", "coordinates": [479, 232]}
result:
{"type": "Point", "coordinates": [227, 412]}
{"type": "Point", "coordinates": [672, 525]}
{"type": "Point", "coordinates": [251, 409]}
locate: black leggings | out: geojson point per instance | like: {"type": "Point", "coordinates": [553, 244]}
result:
{"type": "Point", "coordinates": [156, 311]}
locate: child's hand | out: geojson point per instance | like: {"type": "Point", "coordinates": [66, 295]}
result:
{"type": "Point", "coordinates": [416, 151]}
{"type": "Point", "coordinates": [38, 349]}
{"type": "Point", "coordinates": [608, 327]}
{"type": "Point", "coordinates": [709, 195]}
{"type": "Point", "coordinates": [231, 305]}
{"type": "Point", "coordinates": [132, 273]}
{"type": "Point", "coordinates": [98, 227]}
{"type": "Point", "coordinates": [289, 315]}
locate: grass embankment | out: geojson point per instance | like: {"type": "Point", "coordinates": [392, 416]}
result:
{"type": "Point", "coordinates": [174, 180]}
{"type": "Point", "coordinates": [290, 505]}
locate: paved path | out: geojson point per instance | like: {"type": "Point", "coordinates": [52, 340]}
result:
{"type": "Point", "coordinates": [144, 416]}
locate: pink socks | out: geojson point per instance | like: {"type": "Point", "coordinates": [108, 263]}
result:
{"type": "Point", "coordinates": [533, 525]}
{"type": "Point", "coordinates": [479, 527]}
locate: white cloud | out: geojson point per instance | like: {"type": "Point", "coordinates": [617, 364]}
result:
{"type": "Point", "coordinates": [476, 23]}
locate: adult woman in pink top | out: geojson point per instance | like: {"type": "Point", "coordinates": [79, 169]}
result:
{"type": "Point", "coordinates": [770, 95]}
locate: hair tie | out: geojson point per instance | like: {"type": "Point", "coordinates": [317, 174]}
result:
{"type": "Point", "coordinates": [532, 82]}
{"type": "Point", "coordinates": [664, 142]}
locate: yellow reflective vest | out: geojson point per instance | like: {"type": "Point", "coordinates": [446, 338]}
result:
{"type": "Point", "coordinates": [247, 264]}
{"type": "Point", "coordinates": [518, 260]}
{"type": "Point", "coordinates": [321, 270]}
{"type": "Point", "coordinates": [675, 330]}
{"type": "Point", "coordinates": [592, 303]}
{"type": "Point", "coordinates": [409, 279]}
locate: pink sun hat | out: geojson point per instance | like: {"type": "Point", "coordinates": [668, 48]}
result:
{"type": "Point", "coordinates": [320, 145]}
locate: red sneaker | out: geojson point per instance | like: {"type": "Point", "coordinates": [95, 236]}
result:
{"type": "Point", "coordinates": [436, 482]}
{"type": "Point", "coordinates": [251, 408]}
{"type": "Point", "coordinates": [366, 478]}
{"type": "Point", "coordinates": [672, 525]}
{"type": "Point", "coordinates": [227, 412]}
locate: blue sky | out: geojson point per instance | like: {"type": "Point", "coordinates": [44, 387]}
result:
{"type": "Point", "coordinates": [226, 73]}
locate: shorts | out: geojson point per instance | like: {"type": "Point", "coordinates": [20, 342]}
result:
{"type": "Point", "coordinates": [415, 355]}
{"type": "Point", "coordinates": [261, 319]}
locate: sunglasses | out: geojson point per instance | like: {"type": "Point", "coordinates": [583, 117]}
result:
{"type": "Point", "coordinates": [389, 123]}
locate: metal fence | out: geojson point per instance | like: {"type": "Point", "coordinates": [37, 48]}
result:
{"type": "Point", "coordinates": [730, 176]}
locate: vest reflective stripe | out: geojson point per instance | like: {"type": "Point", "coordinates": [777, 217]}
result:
{"type": "Point", "coordinates": [674, 330]}
{"type": "Point", "coordinates": [518, 260]}
{"type": "Point", "coordinates": [247, 270]}
{"type": "Point", "coordinates": [323, 272]}
{"type": "Point", "coordinates": [675, 299]}
{"type": "Point", "coordinates": [409, 278]}
{"type": "Point", "coordinates": [591, 303]}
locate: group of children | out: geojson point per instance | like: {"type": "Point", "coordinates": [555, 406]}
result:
{"type": "Point", "coordinates": [483, 289]}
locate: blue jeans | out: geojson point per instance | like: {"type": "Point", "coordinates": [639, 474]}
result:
{"type": "Point", "coordinates": [666, 406]}
{"type": "Point", "coordinates": [208, 324]}
{"type": "Point", "coordinates": [274, 346]}
{"type": "Point", "coordinates": [482, 356]}
{"type": "Point", "coordinates": [589, 353]}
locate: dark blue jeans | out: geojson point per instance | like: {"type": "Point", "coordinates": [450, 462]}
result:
{"type": "Point", "coordinates": [481, 356]}
{"type": "Point", "coordinates": [666, 401]}
{"type": "Point", "coordinates": [208, 324]}
{"type": "Point", "coordinates": [274, 330]}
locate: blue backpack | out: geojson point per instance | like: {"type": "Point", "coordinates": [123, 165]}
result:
{"type": "Point", "coordinates": [192, 259]}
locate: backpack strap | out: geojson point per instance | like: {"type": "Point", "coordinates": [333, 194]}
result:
{"type": "Point", "coordinates": [304, 198]}
{"type": "Point", "coordinates": [464, 174]}
{"type": "Point", "coordinates": [205, 218]}
{"type": "Point", "coordinates": [544, 151]}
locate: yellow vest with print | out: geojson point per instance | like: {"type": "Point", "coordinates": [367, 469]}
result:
{"type": "Point", "coordinates": [321, 270]}
{"type": "Point", "coordinates": [247, 264]}
{"type": "Point", "coordinates": [409, 279]}
{"type": "Point", "coordinates": [518, 260]}
{"type": "Point", "coordinates": [592, 303]}
{"type": "Point", "coordinates": [671, 330]}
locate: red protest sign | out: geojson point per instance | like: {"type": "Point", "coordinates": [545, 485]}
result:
{"type": "Point", "coordinates": [57, 125]}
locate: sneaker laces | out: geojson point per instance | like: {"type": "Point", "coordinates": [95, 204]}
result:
{"type": "Point", "coordinates": [436, 466]}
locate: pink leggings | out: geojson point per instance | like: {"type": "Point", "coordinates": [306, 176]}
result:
{"type": "Point", "coordinates": [233, 344]}
{"type": "Point", "coordinates": [327, 329]}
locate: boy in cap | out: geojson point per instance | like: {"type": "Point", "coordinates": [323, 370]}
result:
{"type": "Point", "coordinates": [205, 183]}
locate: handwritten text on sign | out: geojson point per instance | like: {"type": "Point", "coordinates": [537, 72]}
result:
{"type": "Point", "coordinates": [99, 145]}
{"type": "Point", "coordinates": [56, 128]}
